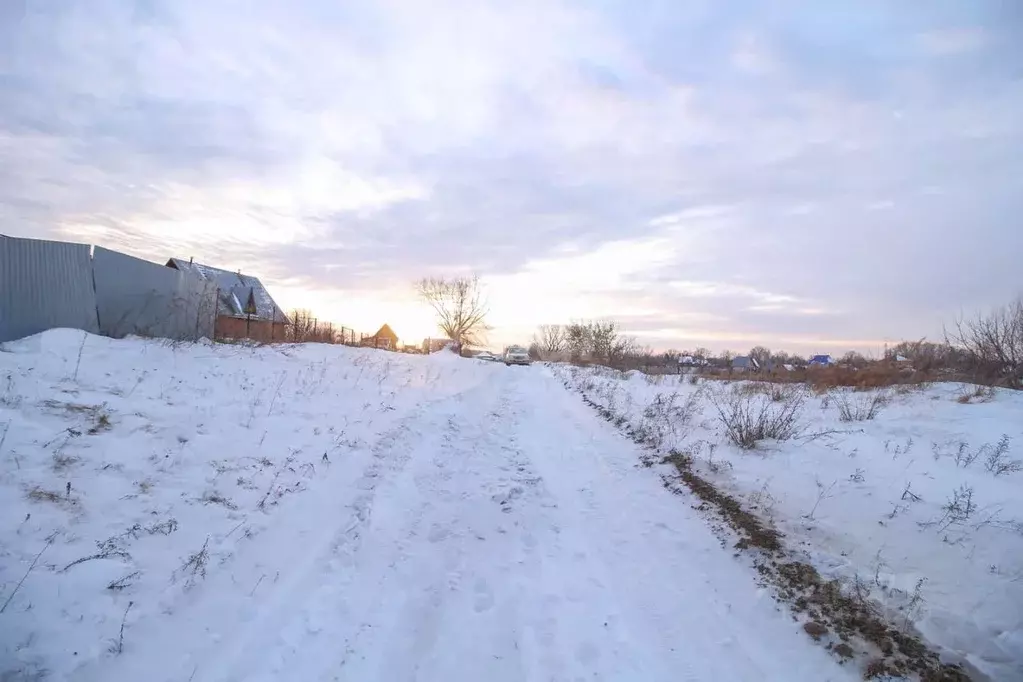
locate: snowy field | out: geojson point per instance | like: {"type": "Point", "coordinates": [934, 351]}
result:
{"type": "Point", "coordinates": [920, 506]}
{"type": "Point", "coordinates": [211, 513]}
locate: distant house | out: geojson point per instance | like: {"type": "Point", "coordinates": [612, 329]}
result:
{"type": "Point", "coordinates": [384, 338]}
{"type": "Point", "coordinates": [744, 363]}
{"type": "Point", "coordinates": [778, 367]}
{"type": "Point", "coordinates": [821, 361]}
{"type": "Point", "coordinates": [691, 361]}
{"type": "Point", "coordinates": [245, 309]}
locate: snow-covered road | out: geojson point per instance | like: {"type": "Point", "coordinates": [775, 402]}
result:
{"type": "Point", "coordinates": [210, 513]}
{"type": "Point", "coordinates": [501, 533]}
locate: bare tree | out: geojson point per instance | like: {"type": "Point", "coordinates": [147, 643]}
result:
{"type": "Point", "coordinates": [623, 348]}
{"type": "Point", "coordinates": [549, 340]}
{"type": "Point", "coordinates": [604, 340]}
{"type": "Point", "coordinates": [460, 307]}
{"type": "Point", "coordinates": [994, 343]}
{"type": "Point", "coordinates": [577, 341]}
{"type": "Point", "coordinates": [854, 360]}
{"type": "Point", "coordinates": [783, 358]}
{"type": "Point", "coordinates": [928, 356]}
{"type": "Point", "coordinates": [761, 354]}
{"type": "Point", "coordinates": [302, 325]}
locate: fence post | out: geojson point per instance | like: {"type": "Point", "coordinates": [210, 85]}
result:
{"type": "Point", "coordinates": [216, 312]}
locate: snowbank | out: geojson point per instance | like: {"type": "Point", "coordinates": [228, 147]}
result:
{"type": "Point", "coordinates": [908, 505]}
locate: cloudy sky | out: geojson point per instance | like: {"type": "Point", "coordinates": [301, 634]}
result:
{"type": "Point", "coordinates": [806, 175]}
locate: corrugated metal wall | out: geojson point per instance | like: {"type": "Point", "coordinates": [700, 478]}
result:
{"type": "Point", "coordinates": [135, 296]}
{"type": "Point", "coordinates": [44, 285]}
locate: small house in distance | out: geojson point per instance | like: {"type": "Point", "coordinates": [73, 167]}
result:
{"type": "Point", "coordinates": [245, 309]}
{"type": "Point", "coordinates": [384, 338]}
{"type": "Point", "coordinates": [744, 363]}
{"type": "Point", "coordinates": [821, 361]}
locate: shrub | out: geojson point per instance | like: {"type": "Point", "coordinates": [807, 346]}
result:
{"type": "Point", "coordinates": [957, 509]}
{"type": "Point", "coordinates": [668, 415]}
{"type": "Point", "coordinates": [750, 418]}
{"type": "Point", "coordinates": [861, 409]}
{"type": "Point", "coordinates": [993, 343]}
{"type": "Point", "coordinates": [981, 394]}
{"type": "Point", "coordinates": [997, 460]}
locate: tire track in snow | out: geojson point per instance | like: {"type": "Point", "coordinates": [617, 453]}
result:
{"type": "Point", "coordinates": [304, 609]}
{"type": "Point", "coordinates": [684, 607]}
{"type": "Point", "coordinates": [401, 635]}
{"type": "Point", "coordinates": [506, 534]}
{"type": "Point", "coordinates": [332, 527]}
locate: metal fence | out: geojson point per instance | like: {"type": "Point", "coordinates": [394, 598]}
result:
{"type": "Point", "coordinates": [44, 285]}
{"type": "Point", "coordinates": [47, 284]}
{"type": "Point", "coordinates": [134, 296]}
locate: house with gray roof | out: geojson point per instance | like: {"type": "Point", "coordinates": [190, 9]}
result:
{"type": "Point", "coordinates": [745, 363]}
{"type": "Point", "coordinates": [245, 309]}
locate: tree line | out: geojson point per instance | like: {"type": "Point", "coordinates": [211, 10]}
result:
{"type": "Point", "coordinates": [988, 346]}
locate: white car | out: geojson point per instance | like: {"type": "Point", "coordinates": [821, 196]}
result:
{"type": "Point", "coordinates": [486, 355]}
{"type": "Point", "coordinates": [516, 355]}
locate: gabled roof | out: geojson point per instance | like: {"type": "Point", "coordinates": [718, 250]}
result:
{"type": "Point", "coordinates": [386, 332]}
{"type": "Point", "coordinates": [745, 362]}
{"type": "Point", "coordinates": [237, 291]}
{"type": "Point", "coordinates": [821, 360]}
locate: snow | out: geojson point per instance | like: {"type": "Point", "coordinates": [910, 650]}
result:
{"type": "Point", "coordinates": [327, 513]}
{"type": "Point", "coordinates": [967, 573]}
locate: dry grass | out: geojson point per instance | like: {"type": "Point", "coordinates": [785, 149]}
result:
{"type": "Point", "coordinates": [975, 394]}
{"type": "Point", "coordinates": [861, 408]}
{"type": "Point", "coordinates": [822, 379]}
{"type": "Point", "coordinates": [71, 408]}
{"type": "Point", "coordinates": [38, 494]}
{"type": "Point", "coordinates": [214, 497]}
{"type": "Point", "coordinates": [101, 423]}
{"type": "Point", "coordinates": [62, 462]}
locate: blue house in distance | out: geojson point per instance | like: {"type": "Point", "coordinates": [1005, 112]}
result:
{"type": "Point", "coordinates": [821, 361]}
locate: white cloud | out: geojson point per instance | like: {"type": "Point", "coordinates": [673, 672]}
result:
{"type": "Point", "coordinates": [688, 168]}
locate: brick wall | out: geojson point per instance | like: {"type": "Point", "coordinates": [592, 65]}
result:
{"type": "Point", "coordinates": [257, 330]}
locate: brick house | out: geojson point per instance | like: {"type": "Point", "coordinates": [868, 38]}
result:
{"type": "Point", "coordinates": [384, 338]}
{"type": "Point", "coordinates": [245, 309]}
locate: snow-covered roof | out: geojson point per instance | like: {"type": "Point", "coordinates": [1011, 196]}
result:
{"type": "Point", "coordinates": [235, 290]}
